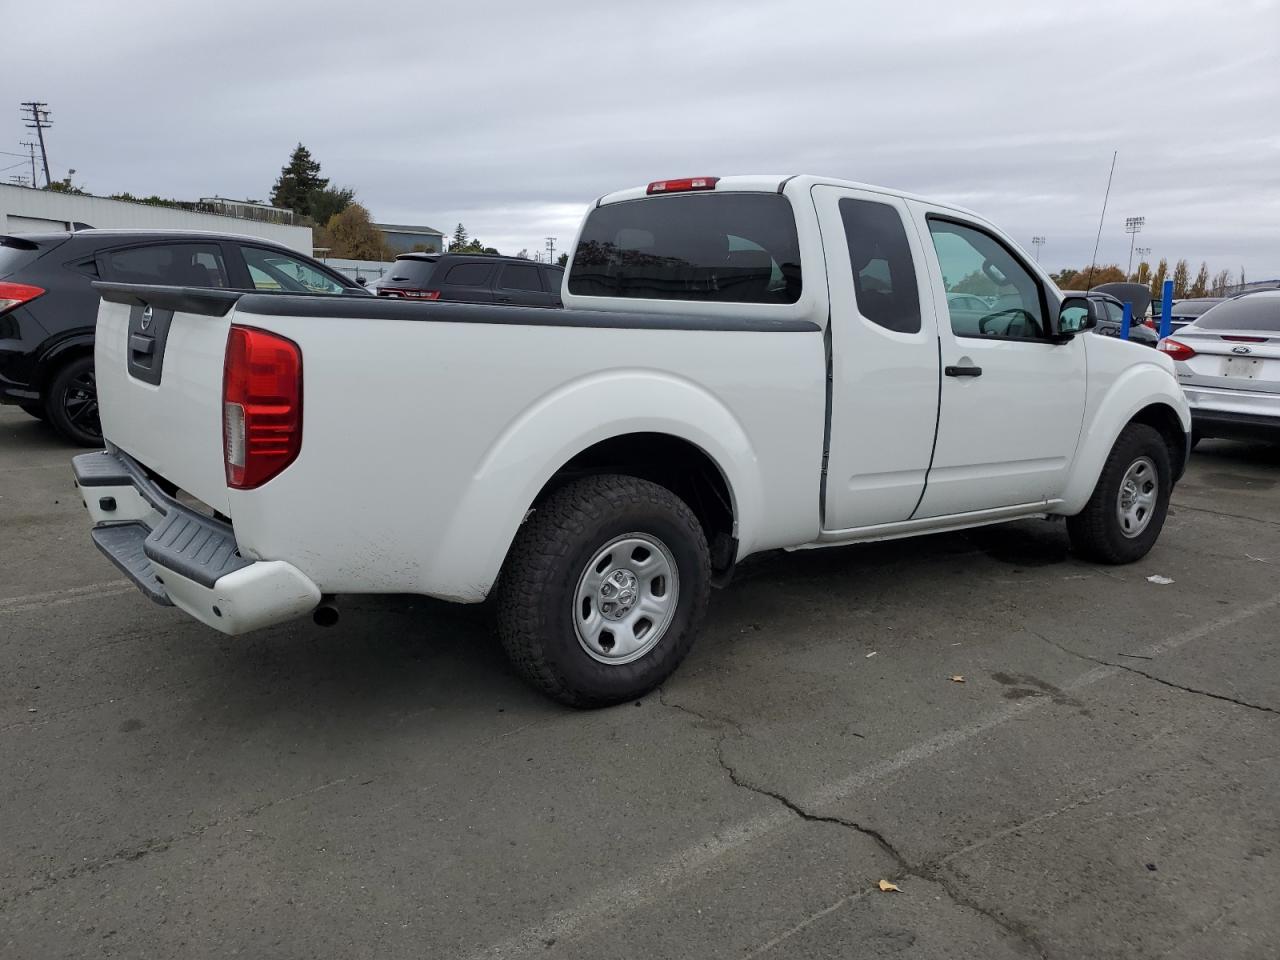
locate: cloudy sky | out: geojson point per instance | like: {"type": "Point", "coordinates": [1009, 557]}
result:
{"type": "Point", "coordinates": [510, 117]}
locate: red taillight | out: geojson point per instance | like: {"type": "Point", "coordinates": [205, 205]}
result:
{"type": "Point", "coordinates": [261, 406]}
{"type": "Point", "coordinates": [1176, 350]}
{"type": "Point", "coordinates": [1149, 322]}
{"type": "Point", "coordinates": [682, 186]}
{"type": "Point", "coordinates": [410, 294]}
{"type": "Point", "coordinates": [16, 294]}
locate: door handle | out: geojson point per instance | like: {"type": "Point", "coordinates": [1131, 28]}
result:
{"type": "Point", "coordinates": [962, 371]}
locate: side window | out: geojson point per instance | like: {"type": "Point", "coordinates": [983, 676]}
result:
{"type": "Point", "coordinates": [277, 271]}
{"type": "Point", "coordinates": [974, 262]}
{"type": "Point", "coordinates": [1115, 312]}
{"type": "Point", "coordinates": [469, 274]}
{"type": "Point", "coordinates": [171, 264]}
{"type": "Point", "coordinates": [519, 276]}
{"type": "Point", "coordinates": [555, 280]}
{"type": "Point", "coordinates": [884, 277]}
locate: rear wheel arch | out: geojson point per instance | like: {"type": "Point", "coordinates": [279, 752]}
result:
{"type": "Point", "coordinates": [670, 461]}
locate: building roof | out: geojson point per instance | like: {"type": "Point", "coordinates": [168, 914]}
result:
{"type": "Point", "coordinates": [407, 228]}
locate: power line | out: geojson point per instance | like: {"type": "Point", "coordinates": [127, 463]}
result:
{"type": "Point", "coordinates": [36, 112]}
{"type": "Point", "coordinates": [551, 249]}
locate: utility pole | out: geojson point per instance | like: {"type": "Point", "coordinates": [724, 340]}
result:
{"type": "Point", "coordinates": [1132, 226]}
{"type": "Point", "coordinates": [31, 152]}
{"type": "Point", "coordinates": [39, 122]}
{"type": "Point", "coordinates": [1037, 242]}
{"type": "Point", "coordinates": [551, 249]}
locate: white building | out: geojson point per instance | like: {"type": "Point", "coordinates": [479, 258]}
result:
{"type": "Point", "coordinates": [27, 210]}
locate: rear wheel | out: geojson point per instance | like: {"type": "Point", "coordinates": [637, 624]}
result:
{"type": "Point", "coordinates": [71, 403]}
{"type": "Point", "coordinates": [604, 590]}
{"type": "Point", "coordinates": [1127, 510]}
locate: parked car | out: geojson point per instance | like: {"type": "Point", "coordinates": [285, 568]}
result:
{"type": "Point", "coordinates": [1111, 318]}
{"type": "Point", "coordinates": [473, 278]}
{"type": "Point", "coordinates": [48, 306]}
{"type": "Point", "coordinates": [742, 364]}
{"type": "Point", "coordinates": [1184, 312]}
{"type": "Point", "coordinates": [1228, 363]}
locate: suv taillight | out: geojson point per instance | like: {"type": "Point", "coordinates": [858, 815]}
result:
{"type": "Point", "coordinates": [1176, 350]}
{"type": "Point", "coordinates": [261, 406]}
{"type": "Point", "coordinates": [409, 294]}
{"type": "Point", "coordinates": [16, 294]}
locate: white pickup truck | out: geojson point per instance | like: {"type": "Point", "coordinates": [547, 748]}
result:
{"type": "Point", "coordinates": [742, 364]}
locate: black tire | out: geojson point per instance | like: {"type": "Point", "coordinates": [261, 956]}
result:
{"type": "Point", "coordinates": [34, 410]}
{"type": "Point", "coordinates": [1096, 532]}
{"type": "Point", "coordinates": [537, 594]}
{"type": "Point", "coordinates": [71, 403]}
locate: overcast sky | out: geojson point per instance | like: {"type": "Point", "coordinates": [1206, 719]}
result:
{"type": "Point", "coordinates": [510, 117]}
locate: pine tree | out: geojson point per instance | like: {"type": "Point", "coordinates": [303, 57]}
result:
{"type": "Point", "coordinates": [299, 180]}
{"type": "Point", "coordinates": [459, 240]}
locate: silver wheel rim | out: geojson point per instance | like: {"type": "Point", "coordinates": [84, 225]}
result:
{"type": "Point", "coordinates": [1136, 501]}
{"type": "Point", "coordinates": [626, 598]}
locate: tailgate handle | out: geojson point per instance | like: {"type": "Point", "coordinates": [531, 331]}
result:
{"type": "Point", "coordinates": [140, 344]}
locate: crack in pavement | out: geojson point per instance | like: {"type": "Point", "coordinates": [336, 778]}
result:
{"type": "Point", "coordinates": [1151, 676]}
{"type": "Point", "coordinates": [158, 844]}
{"type": "Point", "coordinates": [929, 872]}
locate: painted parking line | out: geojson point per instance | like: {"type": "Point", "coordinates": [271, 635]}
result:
{"type": "Point", "coordinates": [59, 598]}
{"type": "Point", "coordinates": [627, 895]}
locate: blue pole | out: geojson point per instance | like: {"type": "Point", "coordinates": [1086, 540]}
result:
{"type": "Point", "coordinates": [1127, 321]}
{"type": "Point", "coordinates": [1166, 309]}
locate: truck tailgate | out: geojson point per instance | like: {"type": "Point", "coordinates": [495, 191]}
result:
{"type": "Point", "coordinates": [159, 358]}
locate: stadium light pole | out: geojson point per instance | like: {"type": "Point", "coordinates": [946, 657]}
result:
{"type": "Point", "coordinates": [1037, 242]}
{"type": "Point", "coordinates": [1132, 226]}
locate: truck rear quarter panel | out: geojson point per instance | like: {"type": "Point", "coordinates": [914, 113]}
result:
{"type": "Point", "coordinates": [424, 443]}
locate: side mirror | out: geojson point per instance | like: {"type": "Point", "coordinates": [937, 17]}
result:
{"type": "Point", "coordinates": [1076, 315]}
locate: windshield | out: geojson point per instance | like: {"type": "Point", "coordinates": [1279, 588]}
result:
{"type": "Point", "coordinates": [728, 247]}
{"type": "Point", "coordinates": [1255, 312]}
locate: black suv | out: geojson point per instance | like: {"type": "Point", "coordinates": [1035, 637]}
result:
{"type": "Point", "coordinates": [473, 278]}
{"type": "Point", "coordinates": [48, 307]}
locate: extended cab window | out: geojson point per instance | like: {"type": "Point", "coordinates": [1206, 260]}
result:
{"type": "Point", "coordinates": [974, 262]}
{"type": "Point", "coordinates": [726, 247]}
{"type": "Point", "coordinates": [170, 264]}
{"type": "Point", "coordinates": [884, 278]}
{"type": "Point", "coordinates": [273, 270]}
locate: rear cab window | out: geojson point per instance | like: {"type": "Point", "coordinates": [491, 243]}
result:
{"type": "Point", "coordinates": [731, 247]}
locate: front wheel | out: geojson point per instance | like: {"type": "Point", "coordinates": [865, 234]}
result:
{"type": "Point", "coordinates": [604, 590]}
{"type": "Point", "coordinates": [71, 403]}
{"type": "Point", "coordinates": [1124, 516]}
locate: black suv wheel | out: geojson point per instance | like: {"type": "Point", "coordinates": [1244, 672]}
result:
{"type": "Point", "coordinates": [71, 403]}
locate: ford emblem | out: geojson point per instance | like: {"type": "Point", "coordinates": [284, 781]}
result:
{"type": "Point", "coordinates": [1241, 350]}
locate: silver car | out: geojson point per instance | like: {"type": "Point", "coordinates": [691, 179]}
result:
{"type": "Point", "coordinates": [1228, 362]}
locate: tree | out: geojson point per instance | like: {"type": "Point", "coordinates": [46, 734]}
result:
{"type": "Point", "coordinates": [1181, 280]}
{"type": "Point", "coordinates": [977, 283]}
{"type": "Point", "coordinates": [459, 240]}
{"type": "Point", "coordinates": [1157, 280]}
{"type": "Point", "coordinates": [563, 259]}
{"type": "Point", "coordinates": [1201, 287]}
{"type": "Point", "coordinates": [299, 180]}
{"type": "Point", "coordinates": [1221, 283]}
{"type": "Point", "coordinates": [524, 253]}
{"type": "Point", "coordinates": [351, 235]}
{"type": "Point", "coordinates": [1064, 277]}
{"type": "Point", "coordinates": [1143, 273]}
{"type": "Point", "coordinates": [1104, 273]}
{"type": "Point", "coordinates": [326, 202]}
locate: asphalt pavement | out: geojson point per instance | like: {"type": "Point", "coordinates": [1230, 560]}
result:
{"type": "Point", "coordinates": [1101, 783]}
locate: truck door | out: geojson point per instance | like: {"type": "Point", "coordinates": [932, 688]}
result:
{"type": "Point", "coordinates": [884, 359]}
{"type": "Point", "coordinates": [1012, 398]}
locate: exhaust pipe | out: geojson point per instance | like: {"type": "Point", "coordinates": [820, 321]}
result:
{"type": "Point", "coordinates": [325, 615]}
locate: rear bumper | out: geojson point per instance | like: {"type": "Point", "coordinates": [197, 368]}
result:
{"type": "Point", "coordinates": [1234, 414]}
{"type": "Point", "coordinates": [179, 557]}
